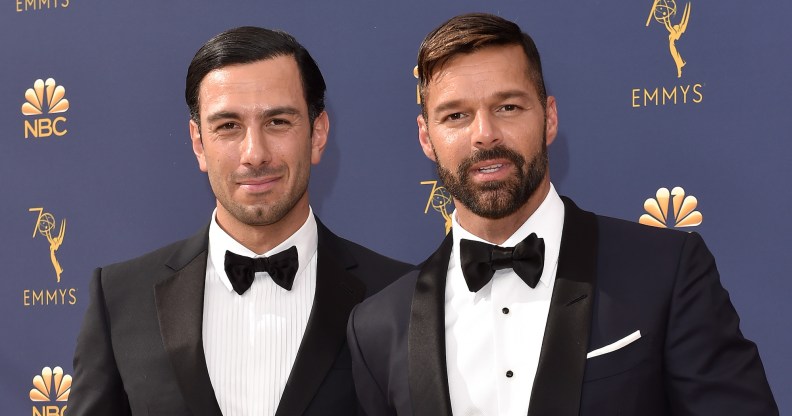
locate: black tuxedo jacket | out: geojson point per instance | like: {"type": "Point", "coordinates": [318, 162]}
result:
{"type": "Point", "coordinates": [614, 277]}
{"type": "Point", "coordinates": [140, 349]}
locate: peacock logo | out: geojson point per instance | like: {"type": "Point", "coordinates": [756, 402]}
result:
{"type": "Point", "coordinates": [682, 211]}
{"type": "Point", "coordinates": [35, 102]}
{"type": "Point", "coordinates": [51, 385]}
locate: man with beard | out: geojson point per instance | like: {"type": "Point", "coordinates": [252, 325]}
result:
{"type": "Point", "coordinates": [248, 316]}
{"type": "Point", "coordinates": [532, 305]}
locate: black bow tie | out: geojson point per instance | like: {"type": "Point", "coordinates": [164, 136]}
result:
{"type": "Point", "coordinates": [281, 267]}
{"type": "Point", "coordinates": [480, 260]}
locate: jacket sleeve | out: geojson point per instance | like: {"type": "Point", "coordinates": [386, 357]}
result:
{"type": "Point", "coordinates": [97, 388]}
{"type": "Point", "coordinates": [711, 368]}
{"type": "Point", "coordinates": [371, 397]}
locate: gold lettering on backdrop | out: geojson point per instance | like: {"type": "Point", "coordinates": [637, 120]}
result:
{"type": "Point", "coordinates": [49, 297]}
{"type": "Point", "coordinates": [659, 96]}
{"type": "Point", "coordinates": [49, 411]}
{"type": "Point", "coordinates": [44, 127]}
{"type": "Point", "coordinates": [38, 5]}
{"type": "Point", "coordinates": [697, 91]}
{"type": "Point", "coordinates": [669, 95]}
{"type": "Point", "coordinates": [650, 96]}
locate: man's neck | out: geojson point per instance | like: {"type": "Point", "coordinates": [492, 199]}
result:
{"type": "Point", "coordinates": [499, 230]}
{"type": "Point", "coordinates": [262, 238]}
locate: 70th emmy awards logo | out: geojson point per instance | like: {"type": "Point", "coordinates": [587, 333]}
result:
{"type": "Point", "coordinates": [45, 224]}
{"type": "Point", "coordinates": [439, 199]}
{"type": "Point", "coordinates": [662, 12]}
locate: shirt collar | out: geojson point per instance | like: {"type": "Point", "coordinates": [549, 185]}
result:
{"type": "Point", "coordinates": [547, 222]}
{"type": "Point", "coordinates": [305, 239]}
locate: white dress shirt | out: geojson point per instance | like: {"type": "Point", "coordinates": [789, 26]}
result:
{"type": "Point", "coordinates": [251, 340]}
{"type": "Point", "coordinates": [494, 336]}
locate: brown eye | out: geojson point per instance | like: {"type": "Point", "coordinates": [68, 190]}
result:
{"type": "Point", "coordinates": [226, 126]}
{"type": "Point", "coordinates": [279, 123]}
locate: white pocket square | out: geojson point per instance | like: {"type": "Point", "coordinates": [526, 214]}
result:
{"type": "Point", "coordinates": [616, 345]}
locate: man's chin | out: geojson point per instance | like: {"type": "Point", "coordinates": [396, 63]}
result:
{"type": "Point", "coordinates": [490, 187]}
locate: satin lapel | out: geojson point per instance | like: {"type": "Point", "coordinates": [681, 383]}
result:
{"type": "Point", "coordinates": [427, 372]}
{"type": "Point", "coordinates": [337, 292]}
{"type": "Point", "coordinates": [559, 377]}
{"type": "Point", "coordinates": [180, 311]}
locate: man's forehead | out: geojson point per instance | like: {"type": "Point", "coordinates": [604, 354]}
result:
{"type": "Point", "coordinates": [277, 66]}
{"type": "Point", "coordinates": [513, 54]}
{"type": "Point", "coordinates": [276, 78]}
{"type": "Point", "coordinates": [494, 70]}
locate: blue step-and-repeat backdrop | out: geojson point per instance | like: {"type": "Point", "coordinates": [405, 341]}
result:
{"type": "Point", "coordinates": [673, 113]}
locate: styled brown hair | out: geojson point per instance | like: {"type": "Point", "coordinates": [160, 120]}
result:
{"type": "Point", "coordinates": [471, 32]}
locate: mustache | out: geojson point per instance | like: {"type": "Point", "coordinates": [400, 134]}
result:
{"type": "Point", "coordinates": [259, 172]}
{"type": "Point", "coordinates": [497, 152]}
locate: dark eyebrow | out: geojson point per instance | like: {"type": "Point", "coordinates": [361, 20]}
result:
{"type": "Point", "coordinates": [276, 111]}
{"type": "Point", "coordinates": [220, 115]}
{"type": "Point", "coordinates": [271, 112]}
{"type": "Point", "coordinates": [500, 96]}
{"type": "Point", "coordinates": [505, 95]}
{"type": "Point", "coordinates": [447, 106]}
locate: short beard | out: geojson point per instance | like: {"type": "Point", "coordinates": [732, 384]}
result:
{"type": "Point", "coordinates": [496, 199]}
{"type": "Point", "coordinates": [260, 215]}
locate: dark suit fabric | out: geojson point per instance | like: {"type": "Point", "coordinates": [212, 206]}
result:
{"type": "Point", "coordinates": [140, 348]}
{"type": "Point", "coordinates": [614, 277]}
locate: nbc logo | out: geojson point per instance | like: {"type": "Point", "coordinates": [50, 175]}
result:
{"type": "Point", "coordinates": [684, 212]}
{"type": "Point", "coordinates": [46, 97]}
{"type": "Point", "coordinates": [51, 385]}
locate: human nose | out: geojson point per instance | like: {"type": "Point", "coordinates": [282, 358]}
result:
{"type": "Point", "coordinates": [485, 131]}
{"type": "Point", "coordinates": [254, 149]}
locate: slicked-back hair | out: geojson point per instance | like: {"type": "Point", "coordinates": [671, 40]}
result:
{"type": "Point", "coordinates": [469, 33]}
{"type": "Point", "coordinates": [250, 44]}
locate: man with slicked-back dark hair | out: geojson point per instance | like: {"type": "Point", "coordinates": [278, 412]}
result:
{"type": "Point", "coordinates": [248, 316]}
{"type": "Point", "coordinates": [533, 306]}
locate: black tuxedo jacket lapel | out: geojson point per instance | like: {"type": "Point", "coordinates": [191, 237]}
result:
{"type": "Point", "coordinates": [337, 292]}
{"type": "Point", "coordinates": [559, 377]}
{"type": "Point", "coordinates": [180, 301]}
{"type": "Point", "coordinates": [427, 372]}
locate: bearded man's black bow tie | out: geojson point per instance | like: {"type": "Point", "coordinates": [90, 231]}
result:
{"type": "Point", "coordinates": [281, 267]}
{"type": "Point", "coordinates": [480, 260]}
